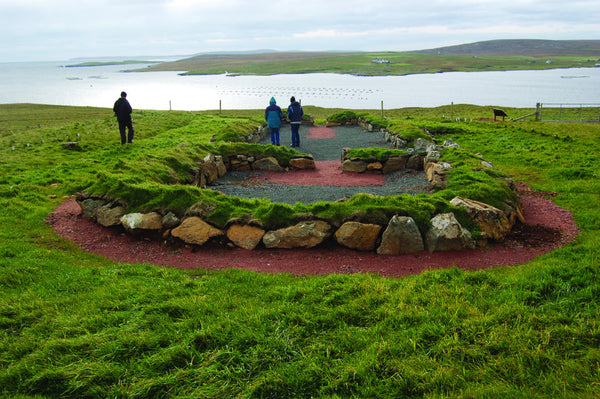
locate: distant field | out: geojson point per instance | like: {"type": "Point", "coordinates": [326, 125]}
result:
{"type": "Point", "coordinates": [395, 63]}
{"type": "Point", "coordinates": [107, 63]}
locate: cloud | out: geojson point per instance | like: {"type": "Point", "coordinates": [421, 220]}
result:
{"type": "Point", "coordinates": [62, 29]}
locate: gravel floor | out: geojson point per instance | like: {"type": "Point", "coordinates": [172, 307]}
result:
{"type": "Point", "coordinates": [325, 144]}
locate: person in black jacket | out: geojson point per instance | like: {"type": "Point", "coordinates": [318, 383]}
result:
{"type": "Point", "coordinates": [294, 114]}
{"type": "Point", "coordinates": [122, 111]}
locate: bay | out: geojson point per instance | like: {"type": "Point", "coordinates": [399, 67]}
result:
{"type": "Point", "coordinates": [53, 83]}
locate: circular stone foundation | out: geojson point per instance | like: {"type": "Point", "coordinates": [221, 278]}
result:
{"type": "Point", "coordinates": [327, 182]}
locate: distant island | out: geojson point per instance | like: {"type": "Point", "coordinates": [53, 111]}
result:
{"type": "Point", "coordinates": [108, 63]}
{"type": "Point", "coordinates": [493, 55]}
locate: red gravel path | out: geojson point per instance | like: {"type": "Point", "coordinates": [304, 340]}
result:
{"type": "Point", "coordinates": [321, 132]}
{"type": "Point", "coordinates": [327, 173]}
{"type": "Point", "coordinates": [547, 227]}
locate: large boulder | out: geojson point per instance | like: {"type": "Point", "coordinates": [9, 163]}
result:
{"type": "Point", "coordinates": [374, 166]}
{"type": "Point", "coordinates": [493, 222]}
{"type": "Point", "coordinates": [245, 236]}
{"type": "Point", "coordinates": [401, 236]}
{"type": "Point", "coordinates": [134, 222]}
{"type": "Point", "coordinates": [170, 220]}
{"type": "Point", "coordinates": [446, 234]}
{"type": "Point", "coordinates": [435, 172]}
{"type": "Point", "coordinates": [415, 161]}
{"type": "Point", "coordinates": [221, 168]}
{"type": "Point", "coordinates": [358, 166]}
{"type": "Point", "coordinates": [194, 230]}
{"type": "Point", "coordinates": [209, 168]}
{"type": "Point", "coordinates": [421, 144]}
{"type": "Point", "coordinates": [436, 168]}
{"type": "Point", "coordinates": [394, 163]}
{"type": "Point", "coordinates": [302, 163]}
{"type": "Point", "coordinates": [89, 206]}
{"type": "Point", "coordinates": [359, 236]}
{"type": "Point", "coordinates": [108, 216]}
{"type": "Point", "coordinates": [305, 234]}
{"type": "Point", "coordinates": [269, 164]}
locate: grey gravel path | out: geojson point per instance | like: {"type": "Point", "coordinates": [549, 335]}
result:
{"type": "Point", "coordinates": [239, 184]}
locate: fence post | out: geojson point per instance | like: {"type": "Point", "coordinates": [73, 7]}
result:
{"type": "Point", "coordinates": [219, 106]}
{"type": "Point", "coordinates": [452, 110]}
{"type": "Point", "coordinates": [381, 109]}
{"type": "Point", "coordinates": [538, 111]}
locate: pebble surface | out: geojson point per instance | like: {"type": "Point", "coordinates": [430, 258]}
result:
{"type": "Point", "coordinates": [329, 183]}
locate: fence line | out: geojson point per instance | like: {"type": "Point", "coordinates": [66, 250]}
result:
{"type": "Point", "coordinates": [554, 112]}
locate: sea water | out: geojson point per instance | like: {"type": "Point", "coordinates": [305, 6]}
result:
{"type": "Point", "coordinates": [100, 86]}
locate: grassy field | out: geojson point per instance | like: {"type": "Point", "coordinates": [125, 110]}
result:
{"type": "Point", "coordinates": [400, 63]}
{"type": "Point", "coordinates": [75, 325]}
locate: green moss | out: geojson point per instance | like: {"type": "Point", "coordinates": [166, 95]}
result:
{"type": "Point", "coordinates": [381, 154]}
{"type": "Point", "coordinates": [376, 121]}
{"type": "Point", "coordinates": [407, 131]}
{"type": "Point", "coordinates": [343, 117]}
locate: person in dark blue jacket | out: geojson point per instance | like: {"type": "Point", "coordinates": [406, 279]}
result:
{"type": "Point", "coordinates": [294, 114]}
{"type": "Point", "coordinates": [273, 116]}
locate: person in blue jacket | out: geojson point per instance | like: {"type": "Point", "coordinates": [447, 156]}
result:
{"type": "Point", "coordinates": [294, 114]}
{"type": "Point", "coordinates": [273, 116]}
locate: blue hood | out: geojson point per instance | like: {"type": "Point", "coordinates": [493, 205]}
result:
{"type": "Point", "coordinates": [272, 101]}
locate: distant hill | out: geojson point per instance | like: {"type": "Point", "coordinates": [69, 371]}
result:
{"type": "Point", "coordinates": [527, 47]}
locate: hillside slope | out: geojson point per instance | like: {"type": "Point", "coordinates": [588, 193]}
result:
{"type": "Point", "coordinates": [527, 47]}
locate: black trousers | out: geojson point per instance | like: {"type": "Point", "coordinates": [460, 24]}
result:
{"type": "Point", "coordinates": [126, 124]}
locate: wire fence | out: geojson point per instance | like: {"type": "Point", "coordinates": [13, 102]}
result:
{"type": "Point", "coordinates": [555, 112]}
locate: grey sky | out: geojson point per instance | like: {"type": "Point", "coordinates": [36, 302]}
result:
{"type": "Point", "coordinates": [38, 30]}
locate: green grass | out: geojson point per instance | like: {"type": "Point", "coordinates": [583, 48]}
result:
{"type": "Point", "coordinates": [400, 63]}
{"type": "Point", "coordinates": [75, 325]}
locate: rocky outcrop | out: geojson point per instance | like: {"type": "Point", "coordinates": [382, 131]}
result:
{"type": "Point", "coordinates": [492, 221]}
{"type": "Point", "coordinates": [245, 236]}
{"type": "Point", "coordinates": [170, 220]}
{"type": "Point", "coordinates": [194, 230]}
{"type": "Point", "coordinates": [89, 206]}
{"type": "Point", "coordinates": [302, 163]}
{"type": "Point", "coordinates": [354, 165]}
{"type": "Point", "coordinates": [268, 163]}
{"type": "Point", "coordinates": [435, 173]}
{"type": "Point", "coordinates": [421, 144]}
{"type": "Point", "coordinates": [446, 234]}
{"type": "Point", "coordinates": [359, 236]}
{"type": "Point", "coordinates": [305, 234]}
{"type": "Point", "coordinates": [108, 216]}
{"type": "Point", "coordinates": [401, 236]}
{"type": "Point", "coordinates": [415, 161]}
{"type": "Point", "coordinates": [394, 163]}
{"type": "Point", "coordinates": [136, 222]}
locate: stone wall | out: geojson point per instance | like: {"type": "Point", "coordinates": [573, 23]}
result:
{"type": "Point", "coordinates": [399, 235]}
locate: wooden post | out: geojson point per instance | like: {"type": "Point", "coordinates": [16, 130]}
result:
{"type": "Point", "coordinates": [381, 109]}
{"type": "Point", "coordinates": [219, 106]}
{"type": "Point", "coordinates": [452, 110]}
{"type": "Point", "coordinates": [169, 105]}
{"type": "Point", "coordinates": [538, 113]}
